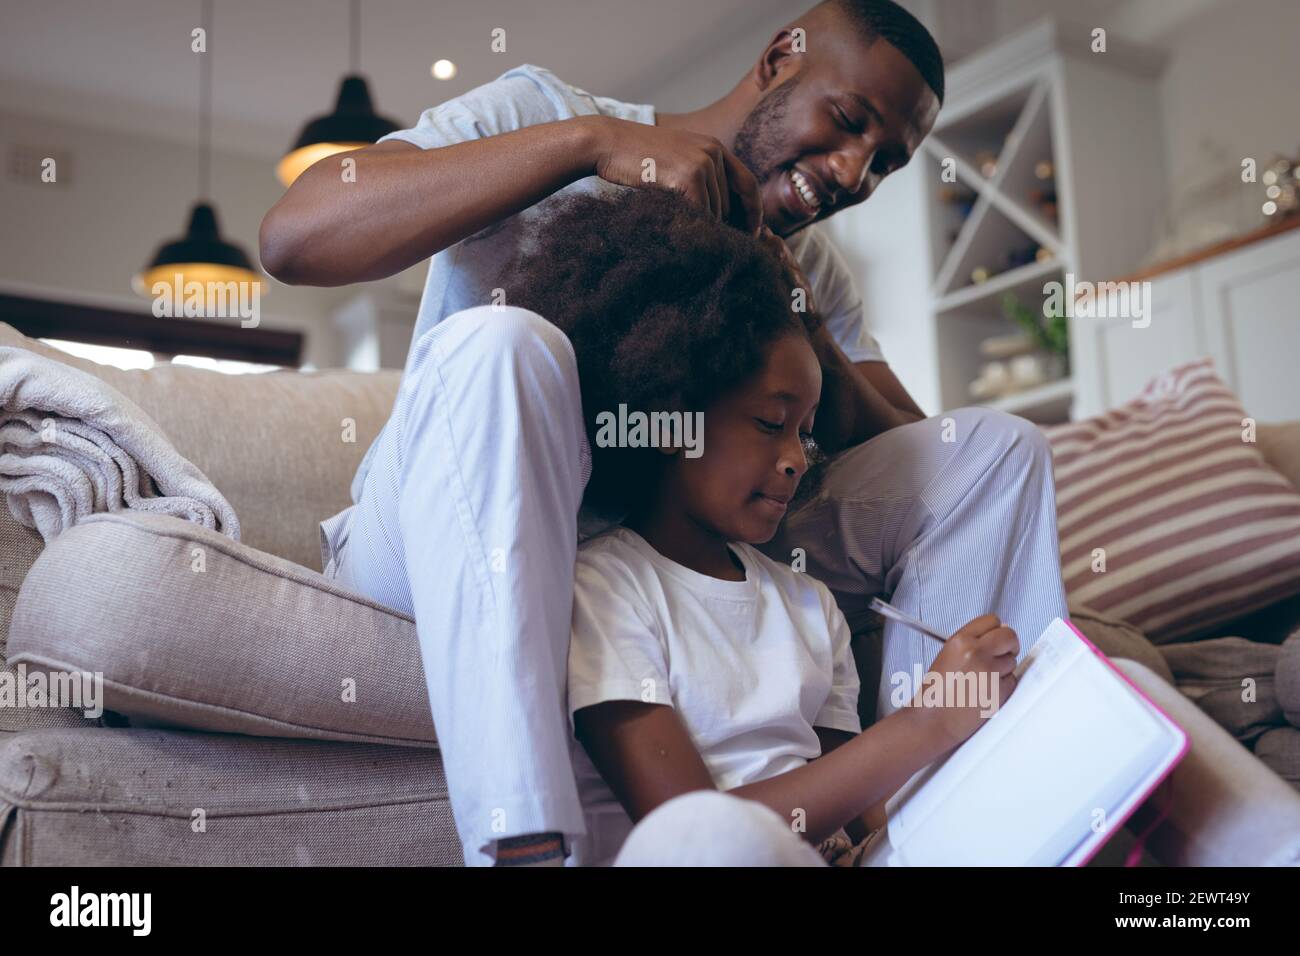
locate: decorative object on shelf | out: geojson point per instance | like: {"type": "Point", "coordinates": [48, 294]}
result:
{"type": "Point", "coordinates": [1022, 255]}
{"type": "Point", "coordinates": [994, 382]}
{"type": "Point", "coordinates": [1008, 346]}
{"type": "Point", "coordinates": [1016, 374]}
{"type": "Point", "coordinates": [1206, 211]}
{"type": "Point", "coordinates": [1043, 198]}
{"type": "Point", "coordinates": [961, 199]}
{"type": "Point", "coordinates": [1027, 359]}
{"type": "Point", "coordinates": [1014, 259]}
{"type": "Point", "coordinates": [1281, 187]}
{"type": "Point", "coordinates": [1022, 360]}
{"type": "Point", "coordinates": [1052, 332]}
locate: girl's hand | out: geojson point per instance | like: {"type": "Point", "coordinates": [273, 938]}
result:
{"type": "Point", "coordinates": [981, 659]}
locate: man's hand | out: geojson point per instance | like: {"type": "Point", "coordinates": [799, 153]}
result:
{"type": "Point", "coordinates": [697, 166]}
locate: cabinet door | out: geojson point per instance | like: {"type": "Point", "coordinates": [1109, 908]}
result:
{"type": "Point", "coordinates": [1250, 301]}
{"type": "Point", "coordinates": [1112, 360]}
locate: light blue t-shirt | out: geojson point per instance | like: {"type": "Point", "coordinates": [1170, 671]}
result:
{"type": "Point", "coordinates": [463, 275]}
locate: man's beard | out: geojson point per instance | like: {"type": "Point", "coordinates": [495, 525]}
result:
{"type": "Point", "coordinates": [760, 140]}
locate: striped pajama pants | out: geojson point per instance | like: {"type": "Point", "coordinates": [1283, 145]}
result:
{"type": "Point", "coordinates": [469, 518]}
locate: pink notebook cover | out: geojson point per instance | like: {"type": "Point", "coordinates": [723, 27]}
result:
{"type": "Point", "coordinates": [1182, 751]}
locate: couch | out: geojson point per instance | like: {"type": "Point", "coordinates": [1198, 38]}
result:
{"type": "Point", "coordinates": [259, 714]}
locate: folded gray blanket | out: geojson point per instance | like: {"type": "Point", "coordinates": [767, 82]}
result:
{"type": "Point", "coordinates": [72, 445]}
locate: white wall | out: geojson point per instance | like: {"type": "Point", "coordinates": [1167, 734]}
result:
{"type": "Point", "coordinates": [1227, 93]}
{"type": "Point", "coordinates": [83, 239]}
{"type": "Point", "coordinates": [885, 243]}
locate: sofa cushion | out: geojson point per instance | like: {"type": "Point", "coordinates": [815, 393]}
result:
{"type": "Point", "coordinates": [190, 628]}
{"type": "Point", "coordinates": [1169, 517]}
{"type": "Point", "coordinates": [135, 797]}
{"type": "Point", "coordinates": [1232, 680]}
{"type": "Point", "coordinates": [1279, 748]}
{"type": "Point", "coordinates": [1118, 639]}
{"type": "Point", "coordinates": [282, 447]}
{"type": "Point", "coordinates": [1287, 678]}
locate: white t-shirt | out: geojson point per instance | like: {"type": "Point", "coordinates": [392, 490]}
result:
{"type": "Point", "coordinates": [750, 666]}
{"type": "Point", "coordinates": [463, 275]}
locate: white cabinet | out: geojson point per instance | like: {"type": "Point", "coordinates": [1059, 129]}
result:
{"type": "Point", "coordinates": [1114, 357]}
{"type": "Point", "coordinates": [1239, 308]}
{"type": "Point", "coordinates": [1250, 299]}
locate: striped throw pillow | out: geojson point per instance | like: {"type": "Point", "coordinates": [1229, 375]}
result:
{"type": "Point", "coordinates": [1169, 517]}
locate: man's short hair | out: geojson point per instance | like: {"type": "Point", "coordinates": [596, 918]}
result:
{"type": "Point", "coordinates": [886, 20]}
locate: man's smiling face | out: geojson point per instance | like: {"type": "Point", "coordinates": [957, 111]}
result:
{"type": "Point", "coordinates": [831, 125]}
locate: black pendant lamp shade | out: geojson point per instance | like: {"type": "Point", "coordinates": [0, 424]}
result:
{"type": "Point", "coordinates": [353, 124]}
{"type": "Point", "coordinates": [200, 255]}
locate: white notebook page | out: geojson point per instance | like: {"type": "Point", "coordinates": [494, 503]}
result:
{"type": "Point", "coordinates": [1068, 747]}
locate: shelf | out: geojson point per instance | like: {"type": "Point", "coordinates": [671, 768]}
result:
{"type": "Point", "coordinates": [988, 130]}
{"type": "Point", "coordinates": [1046, 403]}
{"type": "Point", "coordinates": [1014, 280]}
{"type": "Point", "coordinates": [1034, 98]}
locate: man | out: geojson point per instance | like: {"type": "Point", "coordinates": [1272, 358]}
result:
{"type": "Point", "coordinates": [465, 506]}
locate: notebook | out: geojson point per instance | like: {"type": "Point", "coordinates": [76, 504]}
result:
{"type": "Point", "coordinates": [1048, 779]}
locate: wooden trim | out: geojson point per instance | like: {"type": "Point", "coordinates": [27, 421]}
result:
{"type": "Point", "coordinates": [1209, 252]}
{"type": "Point", "coordinates": [44, 318]}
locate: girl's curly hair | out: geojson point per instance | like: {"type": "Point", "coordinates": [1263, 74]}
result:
{"type": "Point", "coordinates": [667, 309]}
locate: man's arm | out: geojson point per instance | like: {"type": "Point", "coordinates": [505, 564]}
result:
{"type": "Point", "coordinates": [883, 379]}
{"type": "Point", "coordinates": [407, 203]}
{"type": "Point", "coordinates": [858, 400]}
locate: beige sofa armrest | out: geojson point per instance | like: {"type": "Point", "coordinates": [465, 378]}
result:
{"type": "Point", "coordinates": [1225, 807]}
{"type": "Point", "coordinates": [191, 629]}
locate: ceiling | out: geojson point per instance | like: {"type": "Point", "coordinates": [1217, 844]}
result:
{"type": "Point", "coordinates": [127, 64]}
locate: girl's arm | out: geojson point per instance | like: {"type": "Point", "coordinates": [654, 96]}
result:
{"type": "Point", "coordinates": [860, 826]}
{"type": "Point", "coordinates": [647, 757]}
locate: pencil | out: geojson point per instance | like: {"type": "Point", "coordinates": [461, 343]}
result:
{"type": "Point", "coordinates": [894, 614]}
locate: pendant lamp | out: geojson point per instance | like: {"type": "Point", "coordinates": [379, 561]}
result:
{"type": "Point", "coordinates": [353, 123]}
{"type": "Point", "coordinates": [201, 255]}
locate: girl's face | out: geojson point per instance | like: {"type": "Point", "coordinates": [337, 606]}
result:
{"type": "Point", "coordinates": [753, 454]}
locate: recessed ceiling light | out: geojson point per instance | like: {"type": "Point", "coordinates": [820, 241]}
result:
{"type": "Point", "coordinates": [444, 70]}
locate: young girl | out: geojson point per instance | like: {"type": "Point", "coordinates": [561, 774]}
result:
{"type": "Point", "coordinates": [696, 662]}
